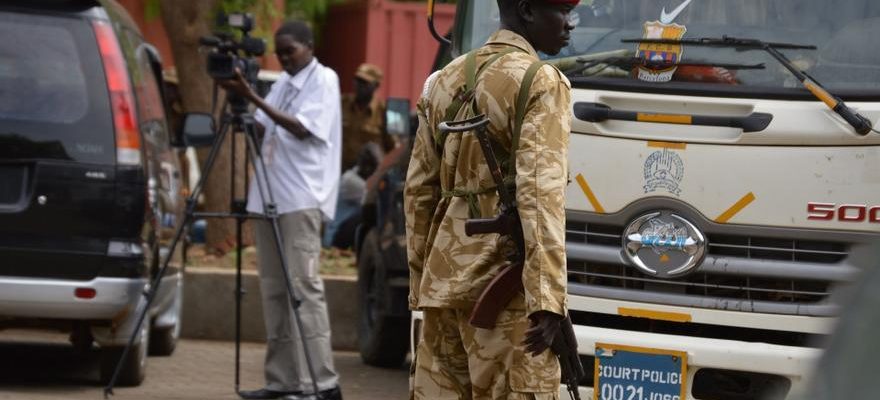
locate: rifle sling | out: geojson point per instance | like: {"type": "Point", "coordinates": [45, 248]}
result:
{"type": "Point", "coordinates": [465, 95]}
{"type": "Point", "coordinates": [522, 100]}
{"type": "Point", "coordinates": [471, 195]}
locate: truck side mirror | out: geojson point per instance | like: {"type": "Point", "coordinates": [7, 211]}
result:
{"type": "Point", "coordinates": [198, 129]}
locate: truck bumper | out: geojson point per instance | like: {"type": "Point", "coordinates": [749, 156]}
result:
{"type": "Point", "coordinates": [794, 363]}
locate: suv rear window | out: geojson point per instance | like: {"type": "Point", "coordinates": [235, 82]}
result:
{"type": "Point", "coordinates": [53, 99]}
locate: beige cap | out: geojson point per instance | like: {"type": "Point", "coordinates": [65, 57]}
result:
{"type": "Point", "coordinates": [170, 75]}
{"type": "Point", "coordinates": [369, 73]}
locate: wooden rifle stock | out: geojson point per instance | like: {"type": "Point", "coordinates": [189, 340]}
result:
{"type": "Point", "coordinates": [497, 296]}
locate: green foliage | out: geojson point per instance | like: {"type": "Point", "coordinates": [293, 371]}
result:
{"type": "Point", "coordinates": [152, 10]}
{"type": "Point", "coordinates": [313, 11]}
{"type": "Point", "coordinates": [264, 12]}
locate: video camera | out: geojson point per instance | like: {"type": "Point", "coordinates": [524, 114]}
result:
{"type": "Point", "coordinates": [229, 54]}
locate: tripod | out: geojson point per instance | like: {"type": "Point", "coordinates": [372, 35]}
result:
{"type": "Point", "coordinates": [237, 119]}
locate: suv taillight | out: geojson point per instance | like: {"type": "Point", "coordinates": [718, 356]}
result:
{"type": "Point", "coordinates": [128, 142]}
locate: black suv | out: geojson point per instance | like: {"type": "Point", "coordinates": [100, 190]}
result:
{"type": "Point", "coordinates": [89, 184]}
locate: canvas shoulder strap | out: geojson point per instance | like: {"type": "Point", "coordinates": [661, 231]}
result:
{"type": "Point", "coordinates": [466, 92]}
{"type": "Point", "coordinates": [522, 101]}
{"type": "Point", "coordinates": [519, 116]}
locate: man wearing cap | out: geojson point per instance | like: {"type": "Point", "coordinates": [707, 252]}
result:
{"type": "Point", "coordinates": [363, 116]}
{"type": "Point", "coordinates": [448, 183]}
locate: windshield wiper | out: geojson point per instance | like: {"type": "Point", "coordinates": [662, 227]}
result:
{"type": "Point", "coordinates": [725, 41]}
{"type": "Point", "coordinates": [861, 124]}
{"type": "Point", "coordinates": [628, 63]}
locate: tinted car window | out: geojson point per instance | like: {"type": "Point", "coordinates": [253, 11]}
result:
{"type": "Point", "coordinates": [53, 99]}
{"type": "Point", "coordinates": [151, 110]}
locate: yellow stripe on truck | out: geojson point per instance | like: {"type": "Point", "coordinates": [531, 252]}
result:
{"type": "Point", "coordinates": [668, 145]}
{"type": "Point", "coordinates": [590, 195]}
{"type": "Point", "coordinates": [736, 208]}
{"type": "Point", "coordinates": [652, 314]}
{"type": "Point", "coordinates": [665, 118]}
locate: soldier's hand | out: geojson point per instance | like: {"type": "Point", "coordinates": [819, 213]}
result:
{"type": "Point", "coordinates": [543, 328]}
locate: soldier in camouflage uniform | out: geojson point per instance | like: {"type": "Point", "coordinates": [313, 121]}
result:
{"type": "Point", "coordinates": [448, 182]}
{"type": "Point", "coordinates": [363, 116]}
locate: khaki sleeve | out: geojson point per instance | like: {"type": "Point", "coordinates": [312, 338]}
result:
{"type": "Point", "coordinates": [420, 197]}
{"type": "Point", "coordinates": [541, 178]}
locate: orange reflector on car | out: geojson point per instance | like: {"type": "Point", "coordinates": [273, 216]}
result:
{"type": "Point", "coordinates": [85, 293]}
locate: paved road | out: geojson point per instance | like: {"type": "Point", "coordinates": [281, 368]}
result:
{"type": "Point", "coordinates": [49, 369]}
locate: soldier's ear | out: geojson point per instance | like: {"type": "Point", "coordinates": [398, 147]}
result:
{"type": "Point", "coordinates": [526, 10]}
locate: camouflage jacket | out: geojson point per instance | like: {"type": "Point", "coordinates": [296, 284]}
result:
{"type": "Point", "coordinates": [447, 268]}
{"type": "Point", "coordinates": [360, 126]}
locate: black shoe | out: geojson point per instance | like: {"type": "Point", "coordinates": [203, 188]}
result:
{"type": "Point", "coordinates": [265, 394]}
{"type": "Point", "coordinates": [329, 394]}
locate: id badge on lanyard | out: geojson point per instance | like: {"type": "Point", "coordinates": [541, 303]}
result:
{"type": "Point", "coordinates": [272, 140]}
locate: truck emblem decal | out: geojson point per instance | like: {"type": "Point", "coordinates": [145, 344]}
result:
{"type": "Point", "coordinates": [661, 55]}
{"type": "Point", "coordinates": [663, 244]}
{"type": "Point", "coordinates": [664, 169]}
{"type": "Point", "coordinates": [669, 18]}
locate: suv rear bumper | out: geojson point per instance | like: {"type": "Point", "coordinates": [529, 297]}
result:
{"type": "Point", "coordinates": [49, 298]}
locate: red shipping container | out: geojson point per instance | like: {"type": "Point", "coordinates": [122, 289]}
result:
{"type": "Point", "coordinates": [392, 35]}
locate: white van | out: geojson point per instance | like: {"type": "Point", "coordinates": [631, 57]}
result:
{"type": "Point", "coordinates": [715, 202]}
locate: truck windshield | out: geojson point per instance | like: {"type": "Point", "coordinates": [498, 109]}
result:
{"type": "Point", "coordinates": [846, 59]}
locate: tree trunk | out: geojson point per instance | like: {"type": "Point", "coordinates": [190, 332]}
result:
{"type": "Point", "coordinates": [186, 22]}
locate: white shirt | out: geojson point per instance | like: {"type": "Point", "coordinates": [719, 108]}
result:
{"type": "Point", "coordinates": [303, 174]}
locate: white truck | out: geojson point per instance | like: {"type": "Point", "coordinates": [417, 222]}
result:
{"type": "Point", "coordinates": [715, 202]}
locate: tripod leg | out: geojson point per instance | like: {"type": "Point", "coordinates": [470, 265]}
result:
{"type": "Point", "coordinates": [239, 209]}
{"type": "Point", "coordinates": [238, 298]}
{"type": "Point", "coordinates": [154, 286]}
{"type": "Point", "coordinates": [271, 213]}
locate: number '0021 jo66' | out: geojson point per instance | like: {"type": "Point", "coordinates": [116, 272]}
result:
{"type": "Point", "coordinates": [843, 212]}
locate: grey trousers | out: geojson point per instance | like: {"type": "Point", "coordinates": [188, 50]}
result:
{"type": "Point", "coordinates": [285, 365]}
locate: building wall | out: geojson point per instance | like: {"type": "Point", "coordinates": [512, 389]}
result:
{"type": "Point", "coordinates": [392, 35]}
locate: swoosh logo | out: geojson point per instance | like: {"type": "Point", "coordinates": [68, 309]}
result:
{"type": "Point", "coordinates": [668, 18]}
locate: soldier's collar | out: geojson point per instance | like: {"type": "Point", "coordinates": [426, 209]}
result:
{"type": "Point", "coordinates": [511, 38]}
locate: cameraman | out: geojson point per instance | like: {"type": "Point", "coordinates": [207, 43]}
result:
{"type": "Point", "coordinates": [300, 124]}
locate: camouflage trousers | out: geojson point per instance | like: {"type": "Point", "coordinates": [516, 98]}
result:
{"type": "Point", "coordinates": [454, 360]}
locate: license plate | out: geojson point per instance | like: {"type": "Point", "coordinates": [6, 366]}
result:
{"type": "Point", "coordinates": [639, 373]}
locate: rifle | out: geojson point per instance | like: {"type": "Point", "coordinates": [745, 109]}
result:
{"type": "Point", "coordinates": [508, 282]}
{"type": "Point", "coordinates": [565, 347]}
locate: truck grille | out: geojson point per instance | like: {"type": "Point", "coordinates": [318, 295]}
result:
{"type": "Point", "coordinates": [724, 245]}
{"type": "Point", "coordinates": [777, 275]}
